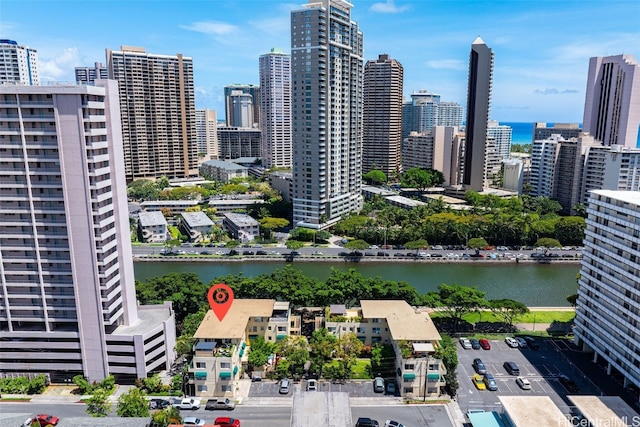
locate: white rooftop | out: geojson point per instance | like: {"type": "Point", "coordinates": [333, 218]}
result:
{"type": "Point", "coordinates": [151, 218]}
{"type": "Point", "coordinates": [632, 197]}
{"type": "Point", "coordinates": [197, 219]}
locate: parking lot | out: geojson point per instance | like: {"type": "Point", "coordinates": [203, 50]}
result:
{"type": "Point", "coordinates": [541, 367]}
{"type": "Point", "coordinates": [355, 388]}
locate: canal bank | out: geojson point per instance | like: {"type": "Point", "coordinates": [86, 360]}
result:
{"type": "Point", "coordinates": [533, 284]}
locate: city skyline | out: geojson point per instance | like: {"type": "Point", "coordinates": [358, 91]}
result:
{"type": "Point", "coordinates": [542, 49]}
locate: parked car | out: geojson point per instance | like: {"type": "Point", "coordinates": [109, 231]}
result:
{"type": "Point", "coordinates": [188, 403]}
{"type": "Point", "coordinates": [465, 343]}
{"type": "Point", "coordinates": [46, 420]}
{"type": "Point", "coordinates": [568, 383]}
{"type": "Point", "coordinates": [312, 385]}
{"type": "Point", "coordinates": [484, 343]}
{"type": "Point", "coordinates": [227, 422]}
{"type": "Point", "coordinates": [490, 382]}
{"type": "Point", "coordinates": [523, 383]}
{"type": "Point", "coordinates": [284, 386]}
{"type": "Point", "coordinates": [366, 422]}
{"type": "Point", "coordinates": [479, 366]}
{"type": "Point", "coordinates": [392, 388]}
{"type": "Point", "coordinates": [261, 252]}
{"type": "Point", "coordinates": [378, 385]}
{"type": "Point", "coordinates": [391, 423]}
{"type": "Point", "coordinates": [256, 378]}
{"type": "Point", "coordinates": [511, 368]}
{"type": "Point", "coordinates": [511, 342]}
{"type": "Point", "coordinates": [192, 421]}
{"type": "Point", "coordinates": [213, 404]}
{"type": "Point", "coordinates": [478, 381]}
{"type": "Point", "coordinates": [158, 403]}
{"type": "Point", "coordinates": [475, 344]}
{"type": "Point", "coordinates": [522, 343]}
{"type": "Point", "coordinates": [532, 343]}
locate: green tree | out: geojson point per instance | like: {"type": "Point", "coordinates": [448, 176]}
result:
{"type": "Point", "coordinates": [417, 178]}
{"type": "Point", "coordinates": [546, 242]}
{"type": "Point", "coordinates": [375, 177]}
{"type": "Point", "coordinates": [457, 301]}
{"type": "Point", "coordinates": [259, 353]}
{"type": "Point", "coordinates": [268, 224]}
{"type": "Point", "coordinates": [133, 404]}
{"type": "Point", "coordinates": [164, 417]}
{"type": "Point", "coordinates": [357, 244]}
{"type": "Point", "coordinates": [507, 309]}
{"type": "Point", "coordinates": [417, 244]}
{"type": "Point", "coordinates": [232, 244]}
{"type": "Point", "coordinates": [162, 183]}
{"type": "Point", "coordinates": [573, 300]}
{"type": "Point", "coordinates": [295, 349]}
{"type": "Point", "coordinates": [477, 243]}
{"type": "Point", "coordinates": [294, 245]}
{"type": "Point", "coordinates": [97, 404]}
{"type": "Point", "coordinates": [142, 189]}
{"type": "Point", "coordinates": [570, 230]}
{"type": "Point", "coordinates": [446, 352]}
{"type": "Point", "coordinates": [323, 344]}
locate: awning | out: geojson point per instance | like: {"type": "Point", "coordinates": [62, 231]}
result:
{"type": "Point", "coordinates": [201, 375]}
{"type": "Point", "coordinates": [423, 347]}
{"type": "Point", "coordinates": [409, 376]}
{"type": "Point", "coordinates": [235, 370]}
{"type": "Point", "coordinates": [433, 377]}
{"type": "Point", "coordinates": [226, 374]}
{"type": "Point", "coordinates": [241, 352]}
{"type": "Point", "coordinates": [281, 336]}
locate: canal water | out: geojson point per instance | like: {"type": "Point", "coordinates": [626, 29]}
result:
{"type": "Point", "coordinates": [536, 285]}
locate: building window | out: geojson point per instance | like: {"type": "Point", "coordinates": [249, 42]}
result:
{"type": "Point", "coordinates": [201, 365]}
{"type": "Point", "coordinates": [225, 365]}
{"type": "Point", "coordinates": [409, 367]}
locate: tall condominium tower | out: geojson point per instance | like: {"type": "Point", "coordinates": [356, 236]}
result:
{"type": "Point", "coordinates": [90, 74]}
{"type": "Point", "coordinates": [327, 72]}
{"type": "Point", "coordinates": [609, 286]}
{"type": "Point", "coordinates": [450, 114]}
{"type": "Point", "coordinates": [207, 134]}
{"type": "Point", "coordinates": [502, 135]}
{"type": "Point", "coordinates": [612, 102]}
{"type": "Point", "coordinates": [275, 109]}
{"type": "Point", "coordinates": [231, 104]}
{"type": "Point", "coordinates": [478, 104]}
{"type": "Point", "coordinates": [158, 112]}
{"type": "Point", "coordinates": [242, 109]}
{"type": "Point", "coordinates": [382, 116]}
{"type": "Point", "coordinates": [68, 301]}
{"type": "Point", "coordinates": [18, 63]}
{"type": "Point", "coordinates": [566, 130]}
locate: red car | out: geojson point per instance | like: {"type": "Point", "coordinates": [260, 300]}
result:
{"type": "Point", "coordinates": [484, 343]}
{"type": "Point", "coordinates": [46, 420]}
{"type": "Point", "coordinates": [227, 422]}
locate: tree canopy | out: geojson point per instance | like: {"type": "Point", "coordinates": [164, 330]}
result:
{"type": "Point", "coordinates": [133, 404]}
{"type": "Point", "coordinates": [375, 177]}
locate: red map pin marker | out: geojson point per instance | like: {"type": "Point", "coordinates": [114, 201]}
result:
{"type": "Point", "coordinates": [220, 299]}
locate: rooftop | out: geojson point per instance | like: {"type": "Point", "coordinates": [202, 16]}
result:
{"type": "Point", "coordinates": [224, 165]}
{"type": "Point", "coordinates": [242, 220]}
{"type": "Point", "coordinates": [405, 201]}
{"type": "Point", "coordinates": [631, 197]}
{"type": "Point", "coordinates": [149, 318]}
{"type": "Point", "coordinates": [609, 411]}
{"type": "Point", "coordinates": [404, 322]}
{"type": "Point", "coordinates": [533, 411]}
{"type": "Point", "coordinates": [234, 324]}
{"type": "Point", "coordinates": [151, 218]}
{"type": "Point", "coordinates": [197, 219]}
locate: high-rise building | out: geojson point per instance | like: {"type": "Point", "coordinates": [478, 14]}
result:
{"type": "Point", "coordinates": [478, 105]}
{"type": "Point", "coordinates": [327, 73]}
{"type": "Point", "coordinates": [613, 167]}
{"type": "Point", "coordinates": [433, 150]}
{"type": "Point", "coordinates": [566, 130]}
{"type": "Point", "coordinates": [275, 109]}
{"type": "Point", "coordinates": [18, 63]}
{"type": "Point", "coordinates": [425, 110]}
{"type": "Point", "coordinates": [234, 143]}
{"type": "Point", "coordinates": [502, 135]}
{"type": "Point", "coordinates": [241, 109]}
{"type": "Point", "coordinates": [207, 134]}
{"type": "Point", "coordinates": [69, 301]}
{"type": "Point", "coordinates": [90, 74]}
{"type": "Point", "coordinates": [450, 114]}
{"type": "Point", "coordinates": [234, 105]}
{"type": "Point", "coordinates": [157, 106]}
{"type": "Point", "coordinates": [612, 106]}
{"type": "Point", "coordinates": [382, 116]}
{"type": "Point", "coordinates": [608, 307]}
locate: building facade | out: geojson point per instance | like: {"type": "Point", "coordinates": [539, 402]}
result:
{"type": "Point", "coordinates": [502, 136]}
{"type": "Point", "coordinates": [478, 105]}
{"type": "Point", "coordinates": [196, 225]}
{"type": "Point", "coordinates": [157, 107]}
{"type": "Point", "coordinates": [249, 89]}
{"type": "Point", "coordinates": [327, 73]}
{"type": "Point", "coordinates": [241, 227]}
{"type": "Point", "coordinates": [275, 109]}
{"type": "Point", "coordinates": [609, 168]}
{"type": "Point", "coordinates": [219, 170]}
{"type": "Point", "coordinates": [611, 108]}
{"type": "Point", "coordinates": [207, 134]}
{"type": "Point", "coordinates": [566, 130]}
{"type": "Point", "coordinates": [382, 116]}
{"type": "Point", "coordinates": [69, 303]}
{"type": "Point", "coordinates": [91, 74]}
{"type": "Point", "coordinates": [152, 227]}
{"type": "Point", "coordinates": [608, 304]}
{"type": "Point", "coordinates": [18, 64]}
{"type": "Point", "coordinates": [234, 143]}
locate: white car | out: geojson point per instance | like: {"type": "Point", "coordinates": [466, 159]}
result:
{"type": "Point", "coordinates": [523, 383]}
{"type": "Point", "coordinates": [188, 403]}
{"type": "Point", "coordinates": [511, 342]}
{"type": "Point", "coordinates": [192, 421]}
{"type": "Point", "coordinates": [312, 385]}
{"type": "Point", "coordinates": [465, 343]}
{"type": "Point", "coordinates": [391, 423]}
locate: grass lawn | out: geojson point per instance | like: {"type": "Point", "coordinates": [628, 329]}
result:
{"type": "Point", "coordinates": [540, 317]}
{"type": "Point", "coordinates": [361, 369]}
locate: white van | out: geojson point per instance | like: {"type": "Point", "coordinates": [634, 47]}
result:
{"type": "Point", "coordinates": [284, 386]}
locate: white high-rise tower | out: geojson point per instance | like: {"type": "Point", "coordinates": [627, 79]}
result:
{"type": "Point", "coordinates": [18, 63]}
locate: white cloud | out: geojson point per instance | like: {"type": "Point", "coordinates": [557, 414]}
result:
{"type": "Point", "coordinates": [61, 67]}
{"type": "Point", "coordinates": [553, 91]}
{"type": "Point", "coordinates": [214, 28]}
{"type": "Point", "coordinates": [389, 7]}
{"type": "Point", "coordinates": [447, 64]}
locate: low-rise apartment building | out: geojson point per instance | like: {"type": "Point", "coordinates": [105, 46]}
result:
{"type": "Point", "coordinates": [196, 225]}
{"type": "Point", "coordinates": [241, 226]}
{"type": "Point", "coordinates": [152, 227]}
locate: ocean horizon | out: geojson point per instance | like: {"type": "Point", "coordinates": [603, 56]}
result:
{"type": "Point", "coordinates": [522, 132]}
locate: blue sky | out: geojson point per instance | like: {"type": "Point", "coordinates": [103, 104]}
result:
{"type": "Point", "coordinates": [541, 48]}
